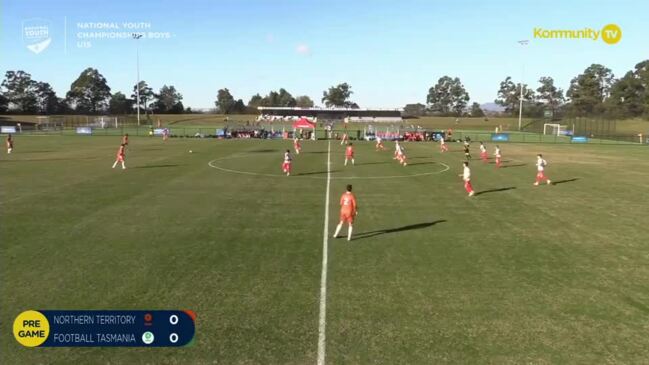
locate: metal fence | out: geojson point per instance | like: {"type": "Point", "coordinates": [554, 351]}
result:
{"type": "Point", "coordinates": [475, 136]}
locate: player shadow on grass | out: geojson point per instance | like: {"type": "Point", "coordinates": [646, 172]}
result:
{"type": "Point", "coordinates": [508, 166]}
{"type": "Point", "coordinates": [267, 150]}
{"type": "Point", "coordinates": [495, 190]}
{"type": "Point", "coordinates": [156, 166]}
{"type": "Point", "coordinates": [565, 181]}
{"type": "Point", "coordinates": [410, 227]}
{"type": "Point", "coordinates": [372, 163]}
{"type": "Point", "coordinates": [316, 173]}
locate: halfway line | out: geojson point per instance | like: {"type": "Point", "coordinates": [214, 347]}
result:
{"type": "Point", "coordinates": [323, 278]}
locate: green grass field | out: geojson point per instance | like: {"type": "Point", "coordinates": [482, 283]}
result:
{"type": "Point", "coordinates": [516, 274]}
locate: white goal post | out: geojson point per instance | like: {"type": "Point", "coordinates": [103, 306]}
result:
{"type": "Point", "coordinates": [105, 122]}
{"type": "Point", "coordinates": [555, 129]}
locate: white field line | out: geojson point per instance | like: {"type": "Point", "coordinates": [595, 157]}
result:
{"type": "Point", "coordinates": [213, 165]}
{"type": "Point", "coordinates": [322, 324]}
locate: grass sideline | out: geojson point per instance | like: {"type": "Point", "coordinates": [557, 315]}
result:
{"type": "Point", "coordinates": [550, 274]}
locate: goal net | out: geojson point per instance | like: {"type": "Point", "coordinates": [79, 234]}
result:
{"type": "Point", "coordinates": [554, 129]}
{"type": "Point", "coordinates": [104, 122]}
{"type": "Point", "coordinates": [46, 123]}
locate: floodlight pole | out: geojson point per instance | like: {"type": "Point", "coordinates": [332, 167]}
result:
{"type": "Point", "coordinates": [520, 106]}
{"type": "Point", "coordinates": [137, 36]}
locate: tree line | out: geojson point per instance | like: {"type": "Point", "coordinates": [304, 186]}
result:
{"type": "Point", "coordinates": [594, 92]}
{"type": "Point", "coordinates": [335, 96]}
{"type": "Point", "coordinates": [88, 94]}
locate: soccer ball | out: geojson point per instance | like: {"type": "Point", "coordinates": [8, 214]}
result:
{"type": "Point", "coordinates": [190, 151]}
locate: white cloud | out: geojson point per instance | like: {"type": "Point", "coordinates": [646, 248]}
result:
{"type": "Point", "coordinates": [303, 49]}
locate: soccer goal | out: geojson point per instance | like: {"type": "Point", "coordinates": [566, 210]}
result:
{"type": "Point", "coordinates": [46, 123]}
{"type": "Point", "coordinates": [105, 122]}
{"type": "Point", "coordinates": [554, 129]}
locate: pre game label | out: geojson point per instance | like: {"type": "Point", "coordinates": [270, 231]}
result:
{"type": "Point", "coordinates": [49, 328]}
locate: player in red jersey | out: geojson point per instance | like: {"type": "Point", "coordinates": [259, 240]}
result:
{"type": "Point", "coordinates": [498, 156]}
{"type": "Point", "coordinates": [121, 156]}
{"type": "Point", "coordinates": [10, 143]}
{"type": "Point", "coordinates": [297, 146]}
{"type": "Point", "coordinates": [125, 139]}
{"type": "Point", "coordinates": [286, 166]}
{"type": "Point", "coordinates": [401, 154]}
{"type": "Point", "coordinates": [379, 144]}
{"type": "Point", "coordinates": [540, 170]}
{"type": "Point", "coordinates": [466, 177]}
{"type": "Point", "coordinates": [442, 144]}
{"type": "Point", "coordinates": [348, 211]}
{"type": "Point", "coordinates": [484, 155]}
{"type": "Point", "coordinates": [349, 154]}
{"type": "Point", "coordinates": [344, 139]}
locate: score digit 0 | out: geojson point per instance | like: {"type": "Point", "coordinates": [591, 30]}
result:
{"type": "Point", "coordinates": [173, 319]}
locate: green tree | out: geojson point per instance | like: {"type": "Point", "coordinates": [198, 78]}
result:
{"type": "Point", "coordinates": [641, 73]}
{"type": "Point", "coordinates": [4, 103]}
{"type": "Point", "coordinates": [304, 101]}
{"type": "Point", "coordinates": [120, 104]}
{"type": "Point", "coordinates": [20, 91]}
{"type": "Point", "coordinates": [448, 96]}
{"type": "Point", "coordinates": [255, 101]}
{"type": "Point", "coordinates": [338, 96]}
{"type": "Point", "coordinates": [549, 95]}
{"type": "Point", "coordinates": [239, 107]}
{"type": "Point", "coordinates": [476, 110]}
{"type": "Point", "coordinates": [281, 98]}
{"type": "Point", "coordinates": [146, 95]}
{"type": "Point", "coordinates": [272, 99]}
{"type": "Point", "coordinates": [414, 110]}
{"type": "Point", "coordinates": [627, 97]}
{"type": "Point", "coordinates": [589, 90]}
{"type": "Point", "coordinates": [169, 100]}
{"type": "Point", "coordinates": [286, 99]}
{"type": "Point", "coordinates": [509, 95]}
{"type": "Point", "coordinates": [47, 101]}
{"type": "Point", "coordinates": [224, 101]}
{"type": "Point", "coordinates": [90, 92]}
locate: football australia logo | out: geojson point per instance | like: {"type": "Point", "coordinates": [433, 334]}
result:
{"type": "Point", "coordinates": [36, 35]}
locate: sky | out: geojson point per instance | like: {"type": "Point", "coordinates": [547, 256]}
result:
{"type": "Point", "coordinates": [390, 52]}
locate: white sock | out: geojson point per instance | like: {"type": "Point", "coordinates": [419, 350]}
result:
{"type": "Point", "coordinates": [123, 165]}
{"type": "Point", "coordinates": [353, 163]}
{"type": "Point", "coordinates": [338, 228]}
{"type": "Point", "coordinates": [115, 164]}
{"type": "Point", "coordinates": [349, 233]}
{"type": "Point", "coordinates": [345, 162]}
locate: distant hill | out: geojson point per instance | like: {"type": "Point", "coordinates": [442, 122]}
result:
{"type": "Point", "coordinates": [492, 107]}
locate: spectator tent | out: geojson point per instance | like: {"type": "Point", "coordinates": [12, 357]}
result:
{"type": "Point", "coordinates": [303, 123]}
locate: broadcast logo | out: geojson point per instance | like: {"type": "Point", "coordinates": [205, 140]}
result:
{"type": "Point", "coordinates": [36, 35]}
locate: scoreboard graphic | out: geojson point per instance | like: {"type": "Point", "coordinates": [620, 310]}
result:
{"type": "Point", "coordinates": [109, 328]}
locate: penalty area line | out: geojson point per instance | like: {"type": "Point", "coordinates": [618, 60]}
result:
{"type": "Point", "coordinates": [322, 322]}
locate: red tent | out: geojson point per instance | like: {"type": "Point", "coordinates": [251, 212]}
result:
{"type": "Point", "coordinates": [303, 123]}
